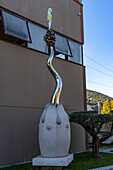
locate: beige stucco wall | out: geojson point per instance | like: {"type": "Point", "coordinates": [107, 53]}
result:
{"type": "Point", "coordinates": [65, 14]}
{"type": "Point", "coordinates": [18, 134]}
{"type": "Point", "coordinates": [25, 73]}
{"type": "Point", "coordinates": [26, 86]}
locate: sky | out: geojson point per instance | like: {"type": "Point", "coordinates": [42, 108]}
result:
{"type": "Point", "coordinates": [98, 45]}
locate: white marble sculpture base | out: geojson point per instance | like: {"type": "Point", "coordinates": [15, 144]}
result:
{"type": "Point", "coordinates": [62, 161]}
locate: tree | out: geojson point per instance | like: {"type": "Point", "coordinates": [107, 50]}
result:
{"type": "Point", "coordinates": [111, 104]}
{"type": "Point", "coordinates": [92, 123]}
{"type": "Point", "coordinates": [107, 107]}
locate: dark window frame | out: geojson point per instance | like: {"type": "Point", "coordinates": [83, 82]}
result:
{"type": "Point", "coordinates": [80, 50]}
{"type": "Point", "coordinates": [68, 47]}
{"type": "Point", "coordinates": [30, 41]}
{"type": "Point", "coordinates": [29, 22]}
{"type": "Point", "coordinates": [63, 53]}
{"type": "Point", "coordinates": [10, 39]}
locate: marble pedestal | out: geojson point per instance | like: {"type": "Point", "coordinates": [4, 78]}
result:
{"type": "Point", "coordinates": [61, 161]}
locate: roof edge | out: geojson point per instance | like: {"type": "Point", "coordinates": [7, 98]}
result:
{"type": "Point", "coordinates": [78, 2]}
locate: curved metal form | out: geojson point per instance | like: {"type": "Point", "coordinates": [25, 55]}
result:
{"type": "Point", "coordinates": [56, 95]}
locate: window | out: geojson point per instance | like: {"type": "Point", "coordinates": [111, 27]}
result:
{"type": "Point", "coordinates": [76, 52]}
{"type": "Point", "coordinates": [21, 32]}
{"type": "Point", "coordinates": [61, 45]}
{"type": "Point", "coordinates": [60, 56]}
{"type": "Point", "coordinates": [68, 50]}
{"type": "Point", "coordinates": [15, 26]}
{"type": "Point", "coordinates": [37, 35]}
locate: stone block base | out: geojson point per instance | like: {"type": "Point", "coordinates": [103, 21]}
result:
{"type": "Point", "coordinates": [62, 161]}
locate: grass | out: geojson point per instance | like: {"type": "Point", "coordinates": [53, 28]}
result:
{"type": "Point", "coordinates": [82, 161]}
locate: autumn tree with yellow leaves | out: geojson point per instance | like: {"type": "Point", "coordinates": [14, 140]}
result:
{"type": "Point", "coordinates": [112, 105]}
{"type": "Point", "coordinates": [106, 107]}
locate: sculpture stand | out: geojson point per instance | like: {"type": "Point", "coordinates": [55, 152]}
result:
{"type": "Point", "coordinates": [63, 161]}
{"type": "Point", "coordinates": [54, 137]}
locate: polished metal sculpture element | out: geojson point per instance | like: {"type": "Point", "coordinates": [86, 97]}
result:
{"type": "Point", "coordinates": [56, 95]}
{"type": "Point", "coordinates": [50, 41]}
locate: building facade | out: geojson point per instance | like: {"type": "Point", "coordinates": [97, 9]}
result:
{"type": "Point", "coordinates": [26, 84]}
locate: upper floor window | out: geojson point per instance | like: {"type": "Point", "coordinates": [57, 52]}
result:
{"type": "Point", "coordinates": [76, 50]}
{"type": "Point", "coordinates": [37, 34]}
{"type": "Point", "coordinates": [21, 32]}
{"type": "Point", "coordinates": [61, 45]}
{"type": "Point", "coordinates": [15, 26]}
{"type": "Point", "coordinates": [62, 56]}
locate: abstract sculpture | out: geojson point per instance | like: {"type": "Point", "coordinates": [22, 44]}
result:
{"type": "Point", "coordinates": [54, 121]}
{"type": "Point", "coordinates": [54, 126]}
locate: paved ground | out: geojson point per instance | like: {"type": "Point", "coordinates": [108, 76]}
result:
{"type": "Point", "coordinates": [104, 150]}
